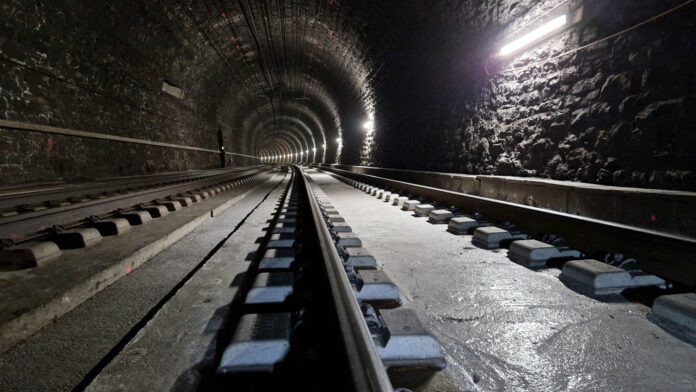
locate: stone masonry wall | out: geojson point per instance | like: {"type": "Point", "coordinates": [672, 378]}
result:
{"type": "Point", "coordinates": [622, 112]}
{"type": "Point", "coordinates": [99, 67]}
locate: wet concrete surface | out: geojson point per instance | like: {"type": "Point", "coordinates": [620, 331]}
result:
{"type": "Point", "coordinates": [58, 357]}
{"type": "Point", "coordinates": [505, 327]}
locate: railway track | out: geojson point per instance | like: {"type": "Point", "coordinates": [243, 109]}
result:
{"type": "Point", "coordinates": [312, 299]}
{"type": "Point", "coordinates": [669, 256]}
{"type": "Point", "coordinates": [29, 218]}
{"type": "Point", "coordinates": [311, 305]}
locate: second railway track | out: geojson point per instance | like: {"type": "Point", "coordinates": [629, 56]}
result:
{"type": "Point", "coordinates": [670, 256]}
{"type": "Point", "coordinates": [36, 214]}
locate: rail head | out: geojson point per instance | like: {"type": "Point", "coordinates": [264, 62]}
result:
{"type": "Point", "coordinates": [367, 369]}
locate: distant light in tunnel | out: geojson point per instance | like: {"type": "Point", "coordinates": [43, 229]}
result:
{"type": "Point", "coordinates": [323, 146]}
{"type": "Point", "coordinates": [540, 32]}
{"type": "Point", "coordinates": [339, 140]}
{"type": "Point", "coordinates": [314, 149]}
{"type": "Point", "coordinates": [369, 126]}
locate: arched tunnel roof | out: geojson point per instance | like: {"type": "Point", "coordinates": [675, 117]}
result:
{"type": "Point", "coordinates": [258, 77]}
{"type": "Point", "coordinates": [300, 70]}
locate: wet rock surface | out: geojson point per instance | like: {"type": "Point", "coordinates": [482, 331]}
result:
{"type": "Point", "coordinates": [619, 112]}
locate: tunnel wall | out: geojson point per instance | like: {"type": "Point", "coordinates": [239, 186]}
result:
{"type": "Point", "coordinates": [618, 113]}
{"type": "Point", "coordinates": [99, 67]}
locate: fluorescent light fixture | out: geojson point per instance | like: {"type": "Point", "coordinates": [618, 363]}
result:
{"type": "Point", "coordinates": [323, 146]}
{"type": "Point", "coordinates": [338, 140]}
{"type": "Point", "coordinates": [540, 32]}
{"type": "Point", "coordinates": [369, 125]}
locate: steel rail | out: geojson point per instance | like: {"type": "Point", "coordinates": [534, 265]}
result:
{"type": "Point", "coordinates": [668, 255]}
{"type": "Point", "coordinates": [367, 369]}
{"type": "Point", "coordinates": [15, 227]}
{"type": "Point", "coordinates": [32, 196]}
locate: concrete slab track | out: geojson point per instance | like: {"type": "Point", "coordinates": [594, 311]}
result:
{"type": "Point", "coordinates": [59, 357]}
{"type": "Point", "coordinates": [503, 326]}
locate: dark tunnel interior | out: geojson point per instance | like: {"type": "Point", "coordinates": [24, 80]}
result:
{"type": "Point", "coordinates": [348, 195]}
{"type": "Point", "coordinates": [400, 84]}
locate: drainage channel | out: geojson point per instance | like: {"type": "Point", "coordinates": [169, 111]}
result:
{"type": "Point", "coordinates": [314, 312]}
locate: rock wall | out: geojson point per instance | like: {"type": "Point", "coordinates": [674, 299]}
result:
{"type": "Point", "coordinates": [621, 112]}
{"type": "Point", "coordinates": [99, 67]}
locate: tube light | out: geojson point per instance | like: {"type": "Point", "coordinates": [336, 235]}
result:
{"type": "Point", "coordinates": [368, 125]}
{"type": "Point", "coordinates": [536, 34]}
{"type": "Point", "coordinates": [338, 140]}
{"type": "Point", "coordinates": [314, 149]}
{"type": "Point", "coordinates": [323, 146]}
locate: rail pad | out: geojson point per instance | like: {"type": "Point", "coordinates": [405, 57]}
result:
{"type": "Point", "coordinates": [535, 254]}
{"type": "Point", "coordinates": [277, 259]}
{"type": "Point", "coordinates": [348, 240]}
{"type": "Point", "coordinates": [78, 238]}
{"type": "Point", "coordinates": [409, 344]}
{"type": "Point", "coordinates": [260, 342]}
{"type": "Point", "coordinates": [410, 205]}
{"type": "Point", "coordinates": [29, 254]}
{"type": "Point", "coordinates": [492, 237]}
{"type": "Point", "coordinates": [270, 288]}
{"type": "Point", "coordinates": [399, 200]}
{"type": "Point", "coordinates": [440, 216]}
{"type": "Point", "coordinates": [423, 209]}
{"type": "Point", "coordinates": [677, 312]}
{"type": "Point", "coordinates": [359, 258]}
{"type": "Point", "coordinates": [136, 218]}
{"type": "Point", "coordinates": [340, 227]}
{"type": "Point", "coordinates": [597, 278]}
{"type": "Point", "coordinates": [375, 288]}
{"type": "Point", "coordinates": [462, 225]}
{"type": "Point", "coordinates": [114, 226]}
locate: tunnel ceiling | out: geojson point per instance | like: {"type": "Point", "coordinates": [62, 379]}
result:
{"type": "Point", "coordinates": [291, 75]}
{"type": "Point", "coordinates": [276, 77]}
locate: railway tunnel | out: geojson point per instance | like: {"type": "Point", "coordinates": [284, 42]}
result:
{"type": "Point", "coordinates": [416, 195]}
